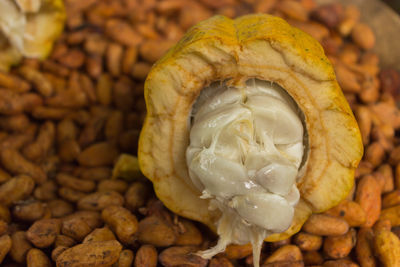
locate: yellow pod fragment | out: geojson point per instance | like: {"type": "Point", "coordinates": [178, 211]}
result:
{"type": "Point", "coordinates": [28, 28]}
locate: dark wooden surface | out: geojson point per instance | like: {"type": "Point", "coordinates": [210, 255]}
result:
{"type": "Point", "coordinates": [395, 4]}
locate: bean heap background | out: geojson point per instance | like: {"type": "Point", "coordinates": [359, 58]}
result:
{"type": "Point", "coordinates": [65, 121]}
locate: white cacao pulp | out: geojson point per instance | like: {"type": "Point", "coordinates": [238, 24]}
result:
{"type": "Point", "coordinates": [246, 148]}
{"type": "Point", "coordinates": [12, 23]}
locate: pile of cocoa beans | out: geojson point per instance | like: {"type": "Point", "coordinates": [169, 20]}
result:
{"type": "Point", "coordinates": [64, 122]}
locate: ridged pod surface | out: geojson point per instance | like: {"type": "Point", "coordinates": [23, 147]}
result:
{"type": "Point", "coordinates": [253, 46]}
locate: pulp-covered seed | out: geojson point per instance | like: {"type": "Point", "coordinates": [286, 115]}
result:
{"type": "Point", "coordinates": [275, 207]}
{"type": "Point", "coordinates": [246, 159]}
